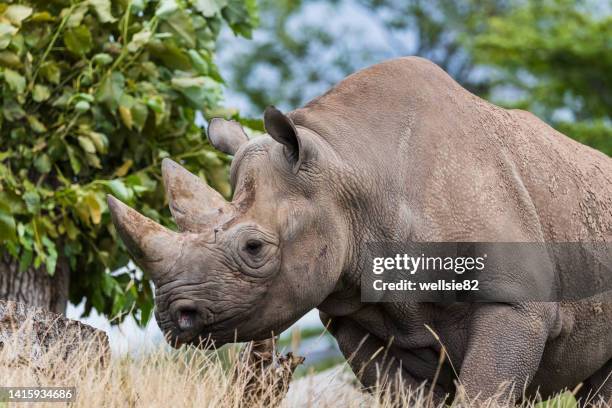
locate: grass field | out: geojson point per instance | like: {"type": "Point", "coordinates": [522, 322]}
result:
{"type": "Point", "coordinates": [191, 377]}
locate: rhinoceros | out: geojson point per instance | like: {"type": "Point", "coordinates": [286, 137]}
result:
{"type": "Point", "coordinates": [395, 152]}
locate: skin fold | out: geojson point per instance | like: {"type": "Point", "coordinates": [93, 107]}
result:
{"type": "Point", "coordinates": [397, 152]}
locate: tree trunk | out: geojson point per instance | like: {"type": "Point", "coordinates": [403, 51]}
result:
{"type": "Point", "coordinates": [34, 286]}
{"type": "Point", "coordinates": [37, 339]}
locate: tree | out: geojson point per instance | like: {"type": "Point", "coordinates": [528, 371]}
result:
{"type": "Point", "coordinates": [556, 58]}
{"type": "Point", "coordinates": [94, 94]}
{"type": "Point", "coordinates": [296, 54]}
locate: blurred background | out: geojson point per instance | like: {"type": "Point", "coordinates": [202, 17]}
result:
{"type": "Point", "coordinates": [551, 57]}
{"type": "Point", "coordinates": [96, 94]}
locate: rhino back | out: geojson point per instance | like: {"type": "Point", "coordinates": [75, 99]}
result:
{"type": "Point", "coordinates": [570, 183]}
{"type": "Point", "coordinates": [460, 168]}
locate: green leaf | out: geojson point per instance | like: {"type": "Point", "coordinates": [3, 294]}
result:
{"type": "Point", "coordinates": [51, 257]}
{"type": "Point", "coordinates": [199, 91]}
{"type": "Point", "coordinates": [565, 400]}
{"type": "Point", "coordinates": [239, 18]}
{"type": "Point", "coordinates": [7, 225]}
{"type": "Point", "coordinates": [71, 229]}
{"type": "Point", "coordinates": [189, 82]}
{"type": "Point", "coordinates": [172, 55]}
{"type": "Point", "coordinates": [11, 202]}
{"type": "Point", "coordinates": [138, 5]}
{"type": "Point", "coordinates": [12, 111]}
{"type": "Point", "coordinates": [96, 299]}
{"type": "Point", "coordinates": [86, 144]}
{"type": "Point", "coordinates": [17, 13]}
{"type": "Point", "coordinates": [95, 209]}
{"type": "Point", "coordinates": [43, 163]}
{"type": "Point", "coordinates": [102, 59]}
{"type": "Point", "coordinates": [111, 90]}
{"type": "Point", "coordinates": [99, 140]}
{"type": "Point", "coordinates": [126, 116]}
{"type": "Point", "coordinates": [75, 162]}
{"type": "Point", "coordinates": [108, 284]}
{"type": "Point", "coordinates": [252, 123]}
{"type": "Point", "coordinates": [85, 96]}
{"type": "Point", "coordinates": [51, 72]}
{"type": "Point", "coordinates": [119, 190]}
{"type": "Point", "coordinates": [156, 103]}
{"type": "Point", "coordinates": [32, 200]}
{"type": "Point", "coordinates": [179, 23]}
{"type": "Point", "coordinates": [10, 59]}
{"type": "Point", "coordinates": [40, 93]}
{"type": "Point", "coordinates": [124, 168]}
{"type": "Point", "coordinates": [42, 17]}
{"type": "Point", "coordinates": [209, 8]}
{"type": "Point", "coordinates": [25, 260]}
{"type": "Point", "coordinates": [82, 106]}
{"type": "Point", "coordinates": [103, 9]}
{"type": "Point", "coordinates": [146, 311]}
{"type": "Point", "coordinates": [140, 183]}
{"type": "Point", "coordinates": [139, 115]}
{"type": "Point", "coordinates": [15, 81]}
{"type": "Point", "coordinates": [78, 40]}
{"type": "Point", "coordinates": [139, 40]}
{"type": "Point", "coordinates": [7, 32]}
{"type": "Point", "coordinates": [76, 15]}
{"type": "Point", "coordinates": [158, 106]}
{"type": "Point", "coordinates": [93, 160]}
{"type": "Point", "coordinates": [200, 65]}
{"type": "Point", "coordinates": [36, 125]}
{"type": "Point", "coordinates": [166, 7]}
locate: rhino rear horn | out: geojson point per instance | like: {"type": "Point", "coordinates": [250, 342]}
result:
{"type": "Point", "coordinates": [151, 245]}
{"type": "Point", "coordinates": [195, 206]}
{"type": "Point", "coordinates": [226, 135]}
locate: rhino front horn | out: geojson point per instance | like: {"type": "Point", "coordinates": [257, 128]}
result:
{"type": "Point", "coordinates": [152, 246]}
{"type": "Point", "coordinates": [195, 206]}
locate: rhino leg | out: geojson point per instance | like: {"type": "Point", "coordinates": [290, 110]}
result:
{"type": "Point", "coordinates": [505, 347]}
{"type": "Point", "coordinates": [373, 365]}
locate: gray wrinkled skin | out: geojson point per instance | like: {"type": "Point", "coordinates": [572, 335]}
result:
{"type": "Point", "coordinates": [395, 152]}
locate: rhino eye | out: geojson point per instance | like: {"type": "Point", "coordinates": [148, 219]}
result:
{"type": "Point", "coordinates": [253, 246]}
{"type": "Point", "coordinates": [254, 249]}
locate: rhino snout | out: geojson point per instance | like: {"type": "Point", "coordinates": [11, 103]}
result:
{"type": "Point", "coordinates": [189, 319]}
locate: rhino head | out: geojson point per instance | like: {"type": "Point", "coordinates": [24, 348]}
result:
{"type": "Point", "coordinates": [246, 269]}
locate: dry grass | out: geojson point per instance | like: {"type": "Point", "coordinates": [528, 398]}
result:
{"type": "Point", "coordinates": [186, 377]}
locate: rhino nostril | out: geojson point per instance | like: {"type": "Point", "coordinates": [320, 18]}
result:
{"type": "Point", "coordinates": [186, 319]}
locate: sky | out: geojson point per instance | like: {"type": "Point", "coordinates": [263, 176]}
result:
{"type": "Point", "coordinates": [355, 31]}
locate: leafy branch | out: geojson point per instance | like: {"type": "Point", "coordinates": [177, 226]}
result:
{"type": "Point", "coordinates": [94, 95]}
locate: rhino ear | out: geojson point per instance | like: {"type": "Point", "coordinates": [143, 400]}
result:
{"type": "Point", "coordinates": [226, 135]}
{"type": "Point", "coordinates": [282, 129]}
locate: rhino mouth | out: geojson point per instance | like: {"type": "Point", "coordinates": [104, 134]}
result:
{"type": "Point", "coordinates": [188, 329]}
